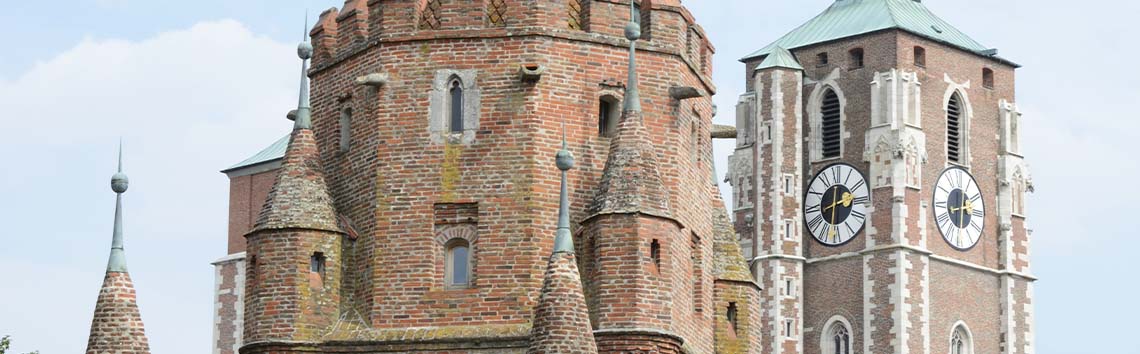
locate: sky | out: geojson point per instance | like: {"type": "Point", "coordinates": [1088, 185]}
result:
{"type": "Point", "coordinates": [192, 87]}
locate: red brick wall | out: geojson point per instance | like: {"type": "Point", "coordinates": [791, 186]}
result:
{"type": "Point", "coordinates": [247, 196]}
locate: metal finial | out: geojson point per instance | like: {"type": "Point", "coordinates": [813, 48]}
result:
{"type": "Point", "coordinates": [305, 51]}
{"type": "Point", "coordinates": [633, 33]}
{"type": "Point", "coordinates": [563, 241]}
{"type": "Point", "coordinates": [117, 262]}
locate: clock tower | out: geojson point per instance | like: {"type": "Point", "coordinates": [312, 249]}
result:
{"type": "Point", "coordinates": [880, 187]}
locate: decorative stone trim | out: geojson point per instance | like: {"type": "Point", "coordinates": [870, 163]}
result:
{"type": "Point", "coordinates": [438, 112]}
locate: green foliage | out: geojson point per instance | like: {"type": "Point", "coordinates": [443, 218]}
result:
{"type": "Point", "coordinates": [5, 342]}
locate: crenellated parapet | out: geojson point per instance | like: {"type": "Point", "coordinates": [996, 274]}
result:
{"type": "Point", "coordinates": [667, 26]}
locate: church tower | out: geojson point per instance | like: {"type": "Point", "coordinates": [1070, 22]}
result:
{"type": "Point", "coordinates": [880, 187]}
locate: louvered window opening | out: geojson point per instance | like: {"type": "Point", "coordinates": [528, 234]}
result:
{"type": "Point", "coordinates": [496, 13]}
{"type": "Point", "coordinates": [954, 129]}
{"type": "Point", "coordinates": [429, 15]}
{"type": "Point", "coordinates": [831, 127]}
{"type": "Point", "coordinates": [575, 14]}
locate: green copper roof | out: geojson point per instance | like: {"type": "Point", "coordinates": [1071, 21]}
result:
{"type": "Point", "coordinates": [780, 58]}
{"type": "Point", "coordinates": [273, 152]}
{"type": "Point", "coordinates": [847, 18]}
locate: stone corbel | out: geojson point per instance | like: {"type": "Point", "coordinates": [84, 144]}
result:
{"type": "Point", "coordinates": [373, 80]}
{"type": "Point", "coordinates": [531, 73]}
{"type": "Point", "coordinates": [684, 92]}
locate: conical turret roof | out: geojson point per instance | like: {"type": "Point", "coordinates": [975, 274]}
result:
{"type": "Point", "coordinates": [300, 198]}
{"type": "Point", "coordinates": [117, 326]}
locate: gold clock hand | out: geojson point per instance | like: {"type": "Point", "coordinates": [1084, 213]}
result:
{"type": "Point", "coordinates": [834, 194]}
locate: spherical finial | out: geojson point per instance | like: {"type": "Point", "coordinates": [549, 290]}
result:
{"type": "Point", "coordinates": [305, 50]}
{"type": "Point", "coordinates": [564, 160]}
{"type": "Point", "coordinates": [119, 182]}
{"type": "Point", "coordinates": [632, 31]}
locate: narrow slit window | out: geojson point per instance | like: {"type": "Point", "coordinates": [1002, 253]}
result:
{"type": "Point", "coordinates": [988, 78]}
{"type": "Point", "coordinates": [788, 328]}
{"type": "Point", "coordinates": [730, 315]}
{"type": "Point", "coordinates": [788, 184]}
{"type": "Point", "coordinates": [954, 129]}
{"type": "Point", "coordinates": [856, 56]}
{"type": "Point", "coordinates": [655, 253]}
{"type": "Point", "coordinates": [694, 140]}
{"type": "Point", "coordinates": [830, 127]}
{"type": "Point", "coordinates": [345, 130]}
{"type": "Point", "coordinates": [455, 101]}
{"type": "Point", "coordinates": [920, 57]}
{"type": "Point", "coordinates": [789, 230]}
{"type": "Point", "coordinates": [317, 263]}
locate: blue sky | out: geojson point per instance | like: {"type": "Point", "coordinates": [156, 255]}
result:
{"type": "Point", "coordinates": [194, 86]}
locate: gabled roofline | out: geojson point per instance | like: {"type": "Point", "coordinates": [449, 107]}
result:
{"type": "Point", "coordinates": [936, 40]}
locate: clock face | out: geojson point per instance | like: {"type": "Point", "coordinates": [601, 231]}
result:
{"type": "Point", "coordinates": [835, 206]}
{"type": "Point", "coordinates": [959, 210]}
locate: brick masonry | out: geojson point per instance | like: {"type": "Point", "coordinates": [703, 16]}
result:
{"type": "Point", "coordinates": [117, 326]}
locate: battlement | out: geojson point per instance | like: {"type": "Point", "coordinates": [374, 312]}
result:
{"type": "Point", "coordinates": [358, 24]}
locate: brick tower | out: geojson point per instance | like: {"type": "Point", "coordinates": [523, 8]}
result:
{"type": "Point", "coordinates": [117, 326]}
{"type": "Point", "coordinates": [880, 189]}
{"type": "Point", "coordinates": [409, 216]}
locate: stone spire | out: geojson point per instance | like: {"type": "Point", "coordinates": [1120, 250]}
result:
{"type": "Point", "coordinates": [561, 317]}
{"type": "Point", "coordinates": [300, 198]}
{"type": "Point", "coordinates": [631, 182]}
{"type": "Point", "coordinates": [117, 326]}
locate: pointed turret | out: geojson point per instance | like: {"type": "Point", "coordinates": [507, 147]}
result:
{"type": "Point", "coordinates": [631, 182]}
{"type": "Point", "coordinates": [633, 239]}
{"type": "Point", "coordinates": [117, 326]}
{"type": "Point", "coordinates": [561, 318]}
{"type": "Point", "coordinates": [295, 247]}
{"type": "Point", "coordinates": [300, 198]}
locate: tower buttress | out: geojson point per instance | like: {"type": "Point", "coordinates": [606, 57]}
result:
{"type": "Point", "coordinates": [778, 261]}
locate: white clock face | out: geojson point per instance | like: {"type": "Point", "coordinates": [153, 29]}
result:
{"type": "Point", "coordinates": [835, 206]}
{"type": "Point", "coordinates": [959, 210]}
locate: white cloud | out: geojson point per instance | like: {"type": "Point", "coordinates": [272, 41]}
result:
{"type": "Point", "coordinates": [187, 103]}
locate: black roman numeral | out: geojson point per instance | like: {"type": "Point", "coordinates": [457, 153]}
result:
{"type": "Point", "coordinates": [861, 200]}
{"type": "Point", "coordinates": [858, 215]}
{"type": "Point", "coordinates": [814, 223]}
{"type": "Point", "coordinates": [978, 213]}
{"type": "Point", "coordinates": [857, 185]}
{"type": "Point", "coordinates": [812, 209]}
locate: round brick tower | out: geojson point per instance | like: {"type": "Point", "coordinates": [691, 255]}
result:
{"type": "Point", "coordinates": [433, 123]}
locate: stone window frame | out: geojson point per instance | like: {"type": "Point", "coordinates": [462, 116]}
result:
{"type": "Point", "coordinates": [960, 332]}
{"type": "Point", "coordinates": [439, 111]}
{"type": "Point", "coordinates": [447, 238]}
{"type": "Point", "coordinates": [964, 125]}
{"type": "Point", "coordinates": [827, 339]}
{"type": "Point", "coordinates": [815, 119]}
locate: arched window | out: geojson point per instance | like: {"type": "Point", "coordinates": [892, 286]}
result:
{"type": "Point", "coordinates": [830, 127]}
{"type": "Point", "coordinates": [856, 58]}
{"type": "Point", "coordinates": [458, 264]}
{"type": "Point", "coordinates": [607, 116]}
{"type": "Point", "coordinates": [954, 124]}
{"type": "Point", "coordinates": [920, 56]}
{"type": "Point", "coordinates": [987, 78]}
{"type": "Point", "coordinates": [960, 341]}
{"type": "Point", "coordinates": [455, 103]}
{"type": "Point", "coordinates": [345, 129]}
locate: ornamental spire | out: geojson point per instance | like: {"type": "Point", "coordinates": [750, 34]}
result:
{"type": "Point", "coordinates": [563, 242]}
{"type": "Point", "coordinates": [305, 51]}
{"type": "Point", "coordinates": [633, 33]}
{"type": "Point", "coordinates": [117, 262]}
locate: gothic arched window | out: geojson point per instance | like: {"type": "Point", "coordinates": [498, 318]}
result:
{"type": "Point", "coordinates": [840, 339]}
{"type": "Point", "coordinates": [960, 341]}
{"type": "Point", "coordinates": [954, 124]}
{"type": "Point", "coordinates": [455, 103]}
{"type": "Point", "coordinates": [831, 133]}
{"type": "Point", "coordinates": [458, 264]}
